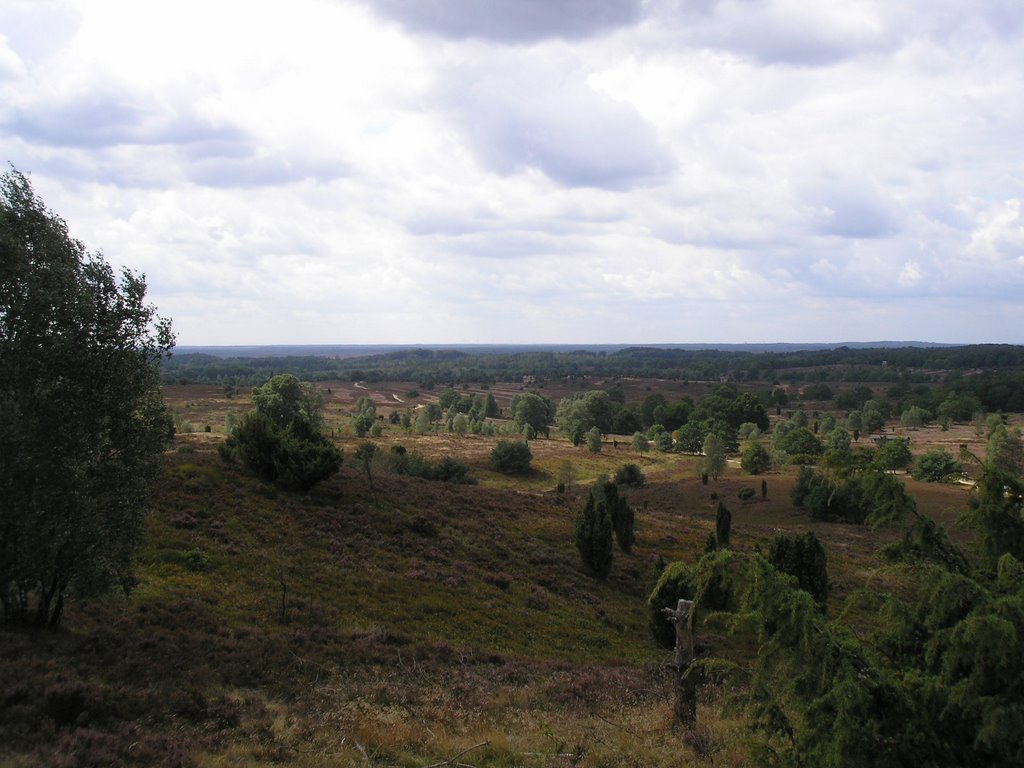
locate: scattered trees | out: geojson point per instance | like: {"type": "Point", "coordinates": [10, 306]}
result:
{"type": "Point", "coordinates": [82, 423]}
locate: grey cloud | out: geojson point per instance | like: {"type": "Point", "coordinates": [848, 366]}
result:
{"type": "Point", "coordinates": [106, 119]}
{"type": "Point", "coordinates": [852, 209]}
{"type": "Point", "coordinates": [769, 34]}
{"type": "Point", "coordinates": [538, 117]}
{"type": "Point", "coordinates": [511, 21]}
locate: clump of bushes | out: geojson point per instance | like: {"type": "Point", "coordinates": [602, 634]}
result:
{"type": "Point", "coordinates": [868, 496]}
{"type": "Point", "coordinates": [280, 439]}
{"type": "Point", "coordinates": [447, 470]}
{"type": "Point", "coordinates": [631, 475]}
{"type": "Point", "coordinates": [511, 457]}
{"type": "Point", "coordinates": [804, 557]}
{"type": "Point", "coordinates": [936, 466]}
{"type": "Point", "coordinates": [593, 536]}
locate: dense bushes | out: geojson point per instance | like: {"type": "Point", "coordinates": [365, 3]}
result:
{"type": "Point", "coordinates": [293, 458]}
{"type": "Point", "coordinates": [511, 457]}
{"type": "Point", "coordinates": [593, 536]}
{"type": "Point", "coordinates": [868, 496]}
{"type": "Point", "coordinates": [280, 440]}
{"type": "Point", "coordinates": [447, 470]}
{"type": "Point", "coordinates": [631, 475]}
{"type": "Point", "coordinates": [804, 557]}
{"type": "Point", "coordinates": [936, 466]}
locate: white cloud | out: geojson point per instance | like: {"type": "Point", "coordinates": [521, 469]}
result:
{"type": "Point", "coordinates": [672, 170]}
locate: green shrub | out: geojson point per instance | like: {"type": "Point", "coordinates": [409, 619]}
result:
{"type": "Point", "coordinates": [293, 459]}
{"type": "Point", "coordinates": [631, 475]}
{"type": "Point", "coordinates": [756, 459]}
{"type": "Point", "coordinates": [936, 466]}
{"type": "Point", "coordinates": [804, 557]}
{"type": "Point", "coordinates": [593, 537]}
{"type": "Point", "coordinates": [723, 526]}
{"type": "Point", "coordinates": [746, 494]}
{"type": "Point", "coordinates": [511, 457]}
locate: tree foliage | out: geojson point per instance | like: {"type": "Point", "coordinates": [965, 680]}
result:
{"type": "Point", "coordinates": [936, 466]}
{"type": "Point", "coordinates": [723, 526]}
{"type": "Point", "coordinates": [714, 456]}
{"type": "Point", "coordinates": [756, 459]}
{"type": "Point", "coordinates": [936, 683]}
{"type": "Point", "coordinates": [511, 457]}
{"type": "Point", "coordinates": [622, 515]}
{"type": "Point", "coordinates": [803, 557]}
{"type": "Point", "coordinates": [593, 536]}
{"type": "Point", "coordinates": [82, 423]}
{"type": "Point", "coordinates": [279, 440]}
{"type": "Point", "coordinates": [533, 411]}
{"type": "Point", "coordinates": [865, 496]}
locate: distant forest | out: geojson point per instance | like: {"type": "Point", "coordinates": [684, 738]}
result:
{"type": "Point", "coordinates": [992, 373]}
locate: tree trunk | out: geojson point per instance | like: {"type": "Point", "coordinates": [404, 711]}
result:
{"type": "Point", "coordinates": [685, 708]}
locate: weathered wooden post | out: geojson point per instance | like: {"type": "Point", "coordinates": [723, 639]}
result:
{"type": "Point", "coordinates": [686, 690]}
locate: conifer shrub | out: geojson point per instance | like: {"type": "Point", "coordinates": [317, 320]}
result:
{"type": "Point", "coordinates": [631, 475]}
{"type": "Point", "coordinates": [723, 526]}
{"type": "Point", "coordinates": [622, 514]}
{"type": "Point", "coordinates": [511, 457]}
{"type": "Point", "coordinates": [593, 536]}
{"type": "Point", "coordinates": [804, 557]}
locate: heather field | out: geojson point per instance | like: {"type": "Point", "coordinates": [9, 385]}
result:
{"type": "Point", "coordinates": [412, 622]}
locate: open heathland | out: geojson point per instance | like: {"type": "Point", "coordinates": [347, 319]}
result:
{"type": "Point", "coordinates": [404, 623]}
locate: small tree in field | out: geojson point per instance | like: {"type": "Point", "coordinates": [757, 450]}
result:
{"type": "Point", "coordinates": [936, 466]}
{"type": "Point", "coordinates": [511, 457]}
{"type": "Point", "coordinates": [365, 454]}
{"type": "Point", "coordinates": [723, 526]}
{"type": "Point", "coordinates": [623, 516]}
{"type": "Point", "coordinates": [279, 439]}
{"type": "Point", "coordinates": [756, 459]}
{"type": "Point", "coordinates": [594, 440]}
{"type": "Point", "coordinates": [639, 442]}
{"type": "Point", "coordinates": [804, 557]}
{"type": "Point", "coordinates": [630, 474]}
{"type": "Point", "coordinates": [593, 535]}
{"type": "Point", "coordinates": [714, 456]}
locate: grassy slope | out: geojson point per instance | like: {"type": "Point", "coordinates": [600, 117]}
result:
{"type": "Point", "coordinates": [418, 619]}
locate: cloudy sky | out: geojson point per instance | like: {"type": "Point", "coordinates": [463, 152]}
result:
{"type": "Point", "coordinates": [526, 171]}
